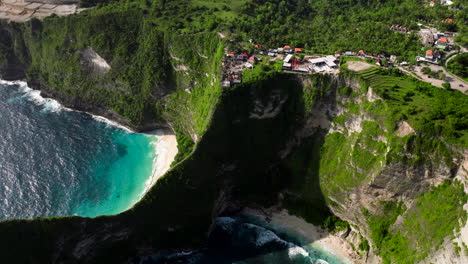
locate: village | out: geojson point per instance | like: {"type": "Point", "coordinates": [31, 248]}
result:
{"type": "Point", "coordinates": [292, 60]}
{"type": "Point", "coordinates": [437, 46]}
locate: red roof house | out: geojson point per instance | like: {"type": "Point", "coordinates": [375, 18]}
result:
{"type": "Point", "coordinates": [429, 54]}
{"type": "Point", "coordinates": [298, 50]}
{"type": "Point", "coordinates": [287, 47]}
{"type": "Point", "coordinates": [443, 40]}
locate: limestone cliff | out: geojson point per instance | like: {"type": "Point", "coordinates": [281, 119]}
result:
{"type": "Point", "coordinates": [381, 151]}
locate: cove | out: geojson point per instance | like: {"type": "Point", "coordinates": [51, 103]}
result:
{"type": "Point", "coordinates": [59, 162]}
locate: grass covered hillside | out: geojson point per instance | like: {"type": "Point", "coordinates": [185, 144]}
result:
{"type": "Point", "coordinates": [373, 152]}
{"type": "Point", "coordinates": [149, 70]}
{"type": "Point", "coordinates": [350, 25]}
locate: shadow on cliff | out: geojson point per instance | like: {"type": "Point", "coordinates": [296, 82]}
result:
{"type": "Point", "coordinates": [251, 153]}
{"type": "Point", "coordinates": [258, 153]}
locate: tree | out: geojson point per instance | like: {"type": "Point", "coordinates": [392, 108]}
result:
{"type": "Point", "coordinates": [440, 76]}
{"type": "Point", "coordinates": [446, 85]}
{"type": "Point", "coordinates": [426, 70]}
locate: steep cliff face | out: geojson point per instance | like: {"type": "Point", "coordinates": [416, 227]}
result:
{"type": "Point", "coordinates": [368, 147]}
{"type": "Point", "coordinates": [377, 171]}
{"type": "Point", "coordinates": [121, 67]}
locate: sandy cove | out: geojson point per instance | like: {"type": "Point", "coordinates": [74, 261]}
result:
{"type": "Point", "coordinates": [314, 235]}
{"type": "Point", "coordinates": [166, 150]}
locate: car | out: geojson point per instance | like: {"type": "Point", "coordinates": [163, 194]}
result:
{"type": "Point", "coordinates": [461, 85]}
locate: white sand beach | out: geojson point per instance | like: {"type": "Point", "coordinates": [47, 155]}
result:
{"type": "Point", "coordinates": [316, 237]}
{"type": "Point", "coordinates": [166, 150]}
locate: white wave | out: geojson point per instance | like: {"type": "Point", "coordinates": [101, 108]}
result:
{"type": "Point", "coordinates": [48, 104]}
{"type": "Point", "coordinates": [20, 83]}
{"type": "Point", "coordinates": [51, 105]}
{"type": "Point", "coordinates": [321, 261]}
{"type": "Point", "coordinates": [111, 123]}
{"type": "Point", "coordinates": [294, 252]}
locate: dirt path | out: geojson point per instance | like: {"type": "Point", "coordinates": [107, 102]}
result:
{"type": "Point", "coordinates": [359, 65]}
{"type": "Point", "coordinates": [455, 82]}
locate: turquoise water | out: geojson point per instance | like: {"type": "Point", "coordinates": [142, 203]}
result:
{"type": "Point", "coordinates": [56, 162]}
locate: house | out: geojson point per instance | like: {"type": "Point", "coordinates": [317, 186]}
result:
{"type": "Point", "coordinates": [442, 44]}
{"type": "Point", "coordinates": [287, 66]}
{"type": "Point", "coordinates": [437, 54]}
{"type": "Point", "coordinates": [399, 28]}
{"type": "Point", "coordinates": [298, 50]}
{"type": "Point", "coordinates": [447, 20]}
{"type": "Point", "coordinates": [337, 54]}
{"type": "Point", "coordinates": [257, 46]}
{"type": "Point", "coordinates": [324, 63]}
{"type": "Point", "coordinates": [429, 55]}
{"type": "Point", "coordinates": [331, 61]}
{"type": "Point", "coordinates": [349, 53]}
{"type": "Point", "coordinates": [240, 58]}
{"type": "Point", "coordinates": [271, 54]}
{"type": "Point", "coordinates": [393, 59]}
{"type": "Point", "coordinates": [404, 63]}
{"type": "Point", "coordinates": [446, 2]}
{"type": "Point", "coordinates": [236, 78]}
{"type": "Point", "coordinates": [442, 41]}
{"type": "Point", "coordinates": [288, 49]}
{"type": "Point", "coordinates": [230, 56]}
{"type": "Point", "coordinates": [249, 65]}
{"type": "Point", "coordinates": [362, 53]}
{"type": "Point", "coordinates": [288, 58]}
{"type": "Point", "coordinates": [226, 84]}
{"type": "Point", "coordinates": [254, 59]}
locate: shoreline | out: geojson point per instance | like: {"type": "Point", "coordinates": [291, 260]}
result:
{"type": "Point", "coordinates": [313, 235]}
{"type": "Point", "coordinates": [166, 150]}
{"type": "Point", "coordinates": [165, 145]}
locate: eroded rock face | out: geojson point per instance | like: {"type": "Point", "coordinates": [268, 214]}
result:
{"type": "Point", "coordinates": [94, 63]}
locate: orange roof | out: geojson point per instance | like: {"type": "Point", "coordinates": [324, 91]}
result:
{"type": "Point", "coordinates": [287, 47]}
{"type": "Point", "coordinates": [297, 49]}
{"type": "Point", "coordinates": [256, 46]}
{"type": "Point", "coordinates": [361, 51]}
{"type": "Point", "coordinates": [448, 20]}
{"type": "Point", "coordinates": [443, 40]}
{"type": "Point", "coordinates": [231, 55]}
{"type": "Point", "coordinates": [429, 53]}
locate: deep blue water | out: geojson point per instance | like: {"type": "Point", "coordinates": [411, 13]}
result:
{"type": "Point", "coordinates": [54, 161]}
{"type": "Point", "coordinates": [247, 240]}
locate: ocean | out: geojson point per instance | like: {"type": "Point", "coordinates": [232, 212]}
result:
{"type": "Point", "coordinates": [247, 239]}
{"type": "Point", "coordinates": [59, 162]}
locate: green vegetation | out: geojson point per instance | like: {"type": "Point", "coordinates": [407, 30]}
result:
{"type": "Point", "coordinates": [435, 215]}
{"type": "Point", "coordinates": [459, 66]}
{"type": "Point", "coordinates": [165, 59]}
{"type": "Point", "coordinates": [430, 111]}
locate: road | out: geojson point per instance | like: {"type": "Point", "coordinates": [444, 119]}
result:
{"type": "Point", "coordinates": [455, 82]}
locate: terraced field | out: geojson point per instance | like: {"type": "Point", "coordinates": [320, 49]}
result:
{"type": "Point", "coordinates": [377, 80]}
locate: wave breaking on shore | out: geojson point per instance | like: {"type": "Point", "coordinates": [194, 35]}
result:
{"type": "Point", "coordinates": [163, 141]}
